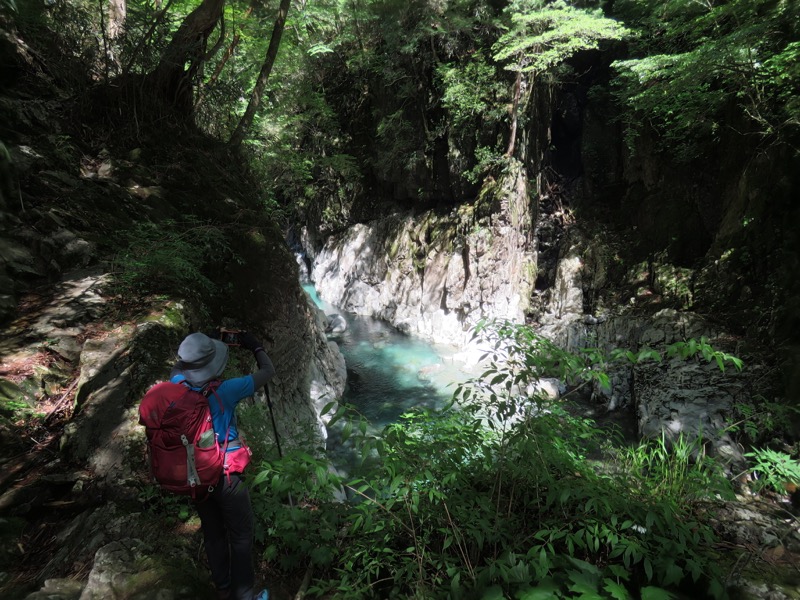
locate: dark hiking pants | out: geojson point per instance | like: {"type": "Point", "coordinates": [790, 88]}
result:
{"type": "Point", "coordinates": [227, 520]}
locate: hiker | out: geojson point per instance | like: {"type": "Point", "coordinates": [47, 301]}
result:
{"type": "Point", "coordinates": [226, 515]}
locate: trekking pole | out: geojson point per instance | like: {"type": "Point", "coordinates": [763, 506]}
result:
{"type": "Point", "coordinates": [272, 417]}
{"type": "Point", "coordinates": [275, 431]}
{"type": "Point", "coordinates": [231, 338]}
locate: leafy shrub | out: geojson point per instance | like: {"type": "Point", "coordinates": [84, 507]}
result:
{"type": "Point", "coordinates": [773, 470]}
{"type": "Point", "coordinates": [298, 521]}
{"type": "Point", "coordinates": [677, 470]}
{"type": "Point", "coordinates": [757, 419]}
{"type": "Point", "coordinates": [164, 505]}
{"type": "Point", "coordinates": [695, 67]}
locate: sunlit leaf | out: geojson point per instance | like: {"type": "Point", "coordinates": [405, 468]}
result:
{"type": "Point", "coordinates": [655, 593]}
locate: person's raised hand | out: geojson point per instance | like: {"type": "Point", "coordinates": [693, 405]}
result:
{"type": "Point", "coordinates": [249, 341]}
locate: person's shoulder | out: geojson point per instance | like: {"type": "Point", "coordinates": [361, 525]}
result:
{"type": "Point", "coordinates": [240, 386]}
{"type": "Point", "coordinates": [233, 381]}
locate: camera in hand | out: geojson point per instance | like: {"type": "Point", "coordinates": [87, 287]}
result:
{"type": "Point", "coordinates": [229, 337]}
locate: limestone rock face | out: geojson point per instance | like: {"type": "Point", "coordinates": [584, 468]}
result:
{"type": "Point", "coordinates": [309, 368]}
{"type": "Point", "coordinates": [692, 398]}
{"type": "Point", "coordinates": [436, 276]}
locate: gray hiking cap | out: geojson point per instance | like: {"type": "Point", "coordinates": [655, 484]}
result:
{"type": "Point", "coordinates": [201, 359]}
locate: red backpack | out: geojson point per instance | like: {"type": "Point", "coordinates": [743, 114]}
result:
{"type": "Point", "coordinates": [185, 457]}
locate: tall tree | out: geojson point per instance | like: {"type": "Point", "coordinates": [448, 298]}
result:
{"type": "Point", "coordinates": [266, 68]}
{"type": "Point", "coordinates": [699, 69]}
{"type": "Point", "coordinates": [172, 79]}
{"type": "Point", "coordinates": [543, 35]}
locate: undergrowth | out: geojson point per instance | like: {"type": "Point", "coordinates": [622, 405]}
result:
{"type": "Point", "coordinates": [169, 258]}
{"type": "Point", "coordinates": [494, 496]}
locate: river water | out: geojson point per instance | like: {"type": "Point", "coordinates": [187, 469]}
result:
{"type": "Point", "coordinates": [388, 372]}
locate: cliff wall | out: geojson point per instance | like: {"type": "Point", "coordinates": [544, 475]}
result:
{"type": "Point", "coordinates": [436, 275]}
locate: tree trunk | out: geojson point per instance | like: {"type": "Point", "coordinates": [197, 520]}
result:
{"type": "Point", "coordinates": [263, 76]}
{"type": "Point", "coordinates": [117, 12]}
{"type": "Point", "coordinates": [171, 79]}
{"type": "Point", "coordinates": [221, 65]}
{"type": "Point", "coordinates": [512, 138]}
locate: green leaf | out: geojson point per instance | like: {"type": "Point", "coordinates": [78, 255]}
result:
{"type": "Point", "coordinates": [673, 575]}
{"type": "Point", "coordinates": [493, 593]}
{"type": "Point", "coordinates": [498, 378]}
{"type": "Point", "coordinates": [655, 593]}
{"type": "Point", "coordinates": [716, 589]}
{"type": "Point", "coordinates": [260, 477]}
{"type": "Point", "coordinates": [619, 572]}
{"type": "Point", "coordinates": [615, 590]}
{"type": "Point", "coordinates": [648, 569]}
{"type": "Point", "coordinates": [546, 590]}
{"type": "Point", "coordinates": [340, 412]}
{"type": "Point", "coordinates": [584, 582]}
{"type": "Point", "coordinates": [584, 566]}
{"type": "Point", "coordinates": [319, 49]}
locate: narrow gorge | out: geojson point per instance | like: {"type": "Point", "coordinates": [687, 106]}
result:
{"type": "Point", "coordinates": [604, 190]}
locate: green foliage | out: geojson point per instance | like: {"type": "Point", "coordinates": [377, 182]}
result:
{"type": "Point", "coordinates": [693, 348]}
{"type": "Point", "coordinates": [683, 350]}
{"type": "Point", "coordinates": [773, 470]}
{"type": "Point", "coordinates": [297, 519]}
{"type": "Point", "coordinates": [677, 470]}
{"type": "Point", "coordinates": [67, 36]}
{"type": "Point", "coordinates": [17, 409]}
{"type": "Point", "coordinates": [694, 61]}
{"type": "Point", "coordinates": [475, 96]}
{"type": "Point", "coordinates": [169, 258]}
{"type": "Point", "coordinates": [757, 421]}
{"type": "Point", "coordinates": [471, 90]}
{"type": "Point", "coordinates": [487, 160]}
{"type": "Point", "coordinates": [493, 497]}
{"type": "Point", "coordinates": [542, 34]}
{"type": "Point", "coordinates": [300, 154]}
{"type": "Point", "coordinates": [674, 284]}
{"type": "Point", "coordinates": [170, 507]}
{"type": "Point", "coordinates": [687, 110]}
{"type": "Point", "coordinates": [402, 143]}
{"type": "Point", "coordinates": [254, 420]}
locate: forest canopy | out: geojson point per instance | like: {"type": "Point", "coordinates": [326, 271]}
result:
{"type": "Point", "coordinates": [319, 82]}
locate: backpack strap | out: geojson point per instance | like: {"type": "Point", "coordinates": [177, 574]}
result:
{"type": "Point", "coordinates": [192, 476]}
{"type": "Point", "coordinates": [211, 388]}
{"type": "Point", "coordinates": [208, 389]}
{"type": "Point", "coordinates": [221, 408]}
{"type": "Point", "coordinates": [225, 465]}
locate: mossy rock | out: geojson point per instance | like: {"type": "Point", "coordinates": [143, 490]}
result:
{"type": "Point", "coordinates": [15, 402]}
